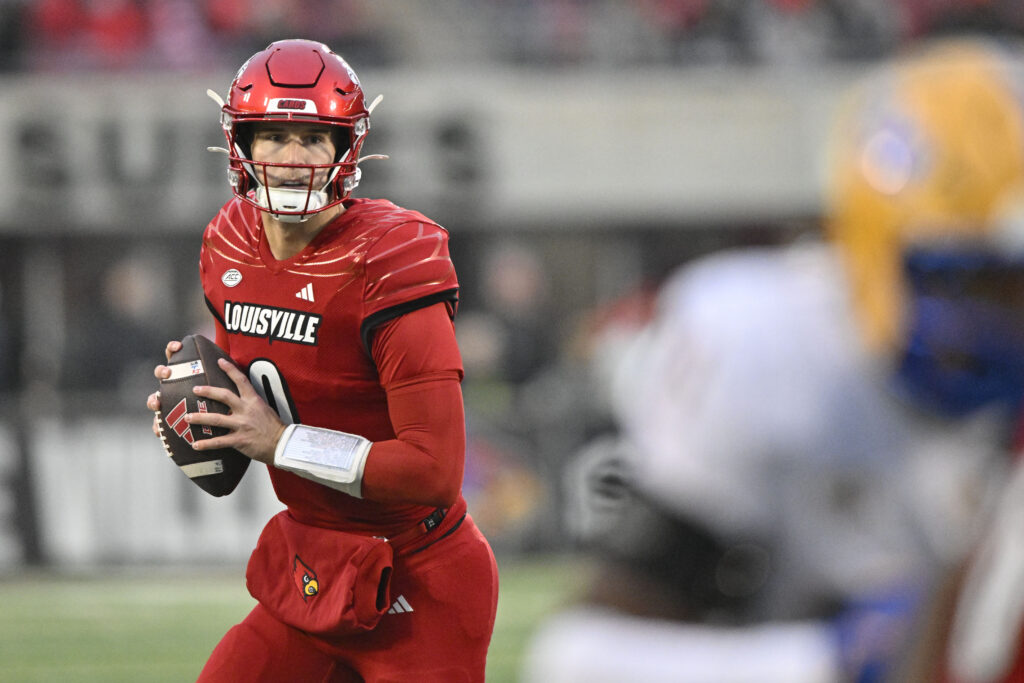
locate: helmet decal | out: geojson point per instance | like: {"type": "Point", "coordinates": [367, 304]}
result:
{"type": "Point", "coordinates": [893, 154]}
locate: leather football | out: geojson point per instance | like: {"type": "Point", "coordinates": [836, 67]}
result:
{"type": "Point", "coordinates": [218, 471]}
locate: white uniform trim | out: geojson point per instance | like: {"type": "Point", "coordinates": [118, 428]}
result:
{"type": "Point", "coordinates": [332, 458]}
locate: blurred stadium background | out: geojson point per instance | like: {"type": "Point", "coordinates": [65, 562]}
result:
{"type": "Point", "coordinates": [577, 150]}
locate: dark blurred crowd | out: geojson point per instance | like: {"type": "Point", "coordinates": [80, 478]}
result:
{"type": "Point", "coordinates": [183, 35]}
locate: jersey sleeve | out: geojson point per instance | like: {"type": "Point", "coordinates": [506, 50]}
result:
{"type": "Point", "coordinates": [408, 268]}
{"type": "Point", "coordinates": [420, 370]}
{"type": "Point", "coordinates": [417, 347]}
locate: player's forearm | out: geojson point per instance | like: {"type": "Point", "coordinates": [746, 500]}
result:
{"type": "Point", "coordinates": [397, 472]}
{"type": "Point", "coordinates": [422, 465]}
{"type": "Point", "coordinates": [394, 471]}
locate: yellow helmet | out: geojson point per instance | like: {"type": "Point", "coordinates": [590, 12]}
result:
{"type": "Point", "coordinates": [926, 179]}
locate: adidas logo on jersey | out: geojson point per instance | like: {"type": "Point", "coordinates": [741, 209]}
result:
{"type": "Point", "coordinates": [400, 605]}
{"type": "Point", "coordinates": [306, 292]}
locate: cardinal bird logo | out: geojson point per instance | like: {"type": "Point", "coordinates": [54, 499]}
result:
{"type": "Point", "coordinates": [305, 578]}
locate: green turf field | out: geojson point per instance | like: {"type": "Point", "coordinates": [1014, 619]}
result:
{"type": "Point", "coordinates": [138, 628]}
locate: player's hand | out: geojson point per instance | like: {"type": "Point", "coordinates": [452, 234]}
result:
{"type": "Point", "coordinates": [161, 372]}
{"type": "Point", "coordinates": [254, 427]}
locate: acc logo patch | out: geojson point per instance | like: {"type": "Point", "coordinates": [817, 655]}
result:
{"type": "Point", "coordinates": [305, 579]}
{"type": "Point", "coordinates": [231, 277]}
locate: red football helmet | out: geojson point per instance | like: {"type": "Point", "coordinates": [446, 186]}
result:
{"type": "Point", "coordinates": [295, 80]}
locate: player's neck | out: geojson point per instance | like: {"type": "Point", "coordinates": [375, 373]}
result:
{"type": "Point", "coordinates": [288, 239]}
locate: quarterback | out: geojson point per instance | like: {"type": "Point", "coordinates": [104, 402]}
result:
{"type": "Point", "coordinates": [338, 314]}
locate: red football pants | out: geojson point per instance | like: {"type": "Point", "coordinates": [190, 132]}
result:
{"type": "Point", "coordinates": [447, 596]}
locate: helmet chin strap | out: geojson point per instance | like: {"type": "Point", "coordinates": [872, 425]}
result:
{"type": "Point", "coordinates": [286, 199]}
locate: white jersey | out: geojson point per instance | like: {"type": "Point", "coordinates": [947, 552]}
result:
{"type": "Point", "coordinates": [753, 407]}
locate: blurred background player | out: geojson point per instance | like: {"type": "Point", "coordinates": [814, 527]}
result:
{"type": "Point", "coordinates": [366, 434]}
{"type": "Point", "coordinates": [808, 433]}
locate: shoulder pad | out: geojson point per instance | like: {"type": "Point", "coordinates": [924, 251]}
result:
{"type": "Point", "coordinates": [408, 267]}
{"type": "Point", "coordinates": [230, 238]}
{"type": "Point", "coordinates": [233, 233]}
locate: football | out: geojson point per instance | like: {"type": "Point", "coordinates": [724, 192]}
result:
{"type": "Point", "coordinates": [218, 471]}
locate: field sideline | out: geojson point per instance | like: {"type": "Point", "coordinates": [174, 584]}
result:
{"type": "Point", "coordinates": [159, 627]}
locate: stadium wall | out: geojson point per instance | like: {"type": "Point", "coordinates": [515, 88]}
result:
{"type": "Point", "coordinates": [508, 147]}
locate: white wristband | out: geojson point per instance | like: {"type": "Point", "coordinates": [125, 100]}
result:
{"type": "Point", "coordinates": [332, 458]}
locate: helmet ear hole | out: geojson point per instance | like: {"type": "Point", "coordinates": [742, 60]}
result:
{"type": "Point", "coordinates": [342, 139]}
{"type": "Point", "coordinates": [244, 134]}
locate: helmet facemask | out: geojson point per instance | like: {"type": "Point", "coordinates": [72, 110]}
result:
{"type": "Point", "coordinates": [292, 192]}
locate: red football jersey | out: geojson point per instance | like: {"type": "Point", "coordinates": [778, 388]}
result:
{"type": "Point", "coordinates": [302, 329]}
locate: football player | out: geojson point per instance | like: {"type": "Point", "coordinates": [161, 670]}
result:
{"type": "Point", "coordinates": [808, 432]}
{"type": "Point", "coordinates": [338, 314]}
